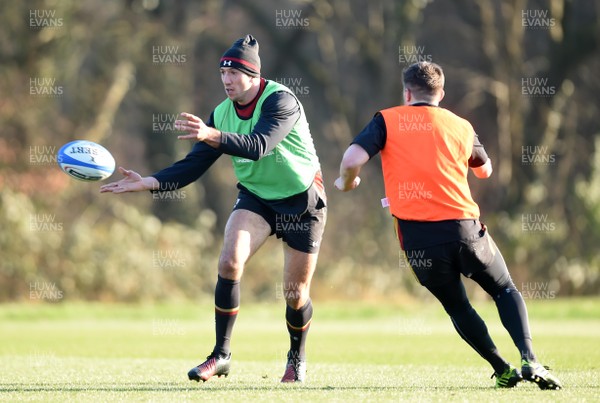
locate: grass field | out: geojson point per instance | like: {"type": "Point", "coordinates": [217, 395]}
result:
{"type": "Point", "coordinates": [357, 353]}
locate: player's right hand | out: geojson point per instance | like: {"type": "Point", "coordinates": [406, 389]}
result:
{"type": "Point", "coordinates": [339, 184]}
{"type": "Point", "coordinates": [132, 182]}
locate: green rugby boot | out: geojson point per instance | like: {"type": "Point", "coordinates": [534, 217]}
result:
{"type": "Point", "coordinates": [509, 378]}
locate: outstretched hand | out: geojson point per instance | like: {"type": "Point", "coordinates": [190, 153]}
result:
{"type": "Point", "coordinates": [132, 182]}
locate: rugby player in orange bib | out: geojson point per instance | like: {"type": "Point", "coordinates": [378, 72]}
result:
{"type": "Point", "coordinates": [426, 153]}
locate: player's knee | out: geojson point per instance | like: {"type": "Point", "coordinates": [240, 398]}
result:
{"type": "Point", "coordinates": [230, 268]}
{"type": "Point", "coordinates": [507, 290]}
{"type": "Point", "coordinates": [295, 303]}
{"type": "Point", "coordinates": [296, 297]}
{"type": "Point", "coordinates": [458, 309]}
{"type": "Point", "coordinates": [505, 282]}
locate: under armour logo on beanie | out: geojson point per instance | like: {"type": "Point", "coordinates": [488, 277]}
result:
{"type": "Point", "coordinates": [243, 55]}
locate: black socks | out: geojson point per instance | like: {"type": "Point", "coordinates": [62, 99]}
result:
{"type": "Point", "coordinates": [227, 305]}
{"type": "Point", "coordinates": [298, 323]}
{"type": "Point", "coordinates": [227, 302]}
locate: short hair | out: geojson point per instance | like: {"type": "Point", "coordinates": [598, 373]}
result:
{"type": "Point", "coordinates": [425, 79]}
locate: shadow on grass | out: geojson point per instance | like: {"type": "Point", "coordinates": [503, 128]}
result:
{"type": "Point", "coordinates": [136, 387]}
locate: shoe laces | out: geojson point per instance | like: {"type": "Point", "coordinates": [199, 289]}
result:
{"type": "Point", "coordinates": [537, 365]}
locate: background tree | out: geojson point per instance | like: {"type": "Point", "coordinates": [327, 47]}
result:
{"type": "Point", "coordinates": [522, 71]}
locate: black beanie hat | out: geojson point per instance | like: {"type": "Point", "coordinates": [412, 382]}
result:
{"type": "Point", "coordinates": [243, 55]}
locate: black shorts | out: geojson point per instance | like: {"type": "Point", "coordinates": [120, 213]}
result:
{"type": "Point", "coordinates": [298, 220]}
{"type": "Point", "coordinates": [476, 256]}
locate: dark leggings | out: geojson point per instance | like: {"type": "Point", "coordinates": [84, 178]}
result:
{"type": "Point", "coordinates": [439, 269]}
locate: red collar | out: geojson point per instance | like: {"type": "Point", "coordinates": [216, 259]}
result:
{"type": "Point", "coordinates": [246, 111]}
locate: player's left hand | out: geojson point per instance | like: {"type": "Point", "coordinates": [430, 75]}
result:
{"type": "Point", "coordinates": [193, 126]}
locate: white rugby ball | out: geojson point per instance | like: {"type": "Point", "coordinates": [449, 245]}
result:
{"type": "Point", "coordinates": [86, 161]}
